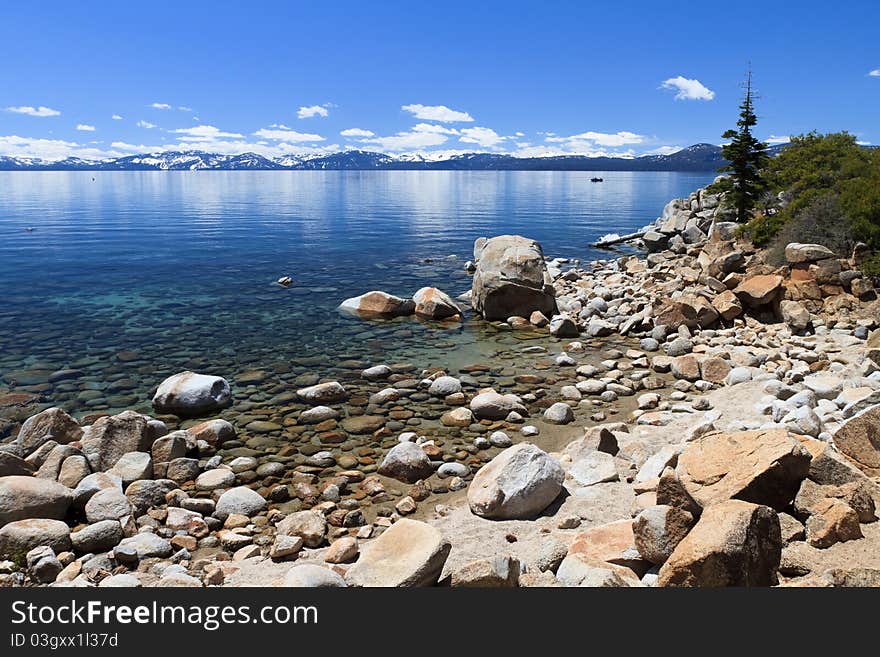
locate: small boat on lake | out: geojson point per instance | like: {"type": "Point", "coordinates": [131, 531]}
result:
{"type": "Point", "coordinates": [597, 180]}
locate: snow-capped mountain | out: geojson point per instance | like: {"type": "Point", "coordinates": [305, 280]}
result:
{"type": "Point", "coordinates": [699, 157]}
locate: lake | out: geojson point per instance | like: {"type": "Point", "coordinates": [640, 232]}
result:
{"type": "Point", "coordinates": [126, 277]}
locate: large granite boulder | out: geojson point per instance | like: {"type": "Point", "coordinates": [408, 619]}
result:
{"type": "Point", "coordinates": [796, 253]}
{"type": "Point", "coordinates": [189, 394]}
{"type": "Point", "coordinates": [112, 436]}
{"type": "Point", "coordinates": [512, 279]}
{"type": "Point", "coordinates": [763, 467]}
{"type": "Point", "coordinates": [687, 310]}
{"type": "Point", "coordinates": [378, 304]}
{"type": "Point", "coordinates": [859, 439]}
{"type": "Point", "coordinates": [51, 424]}
{"type": "Point", "coordinates": [759, 291]}
{"type": "Point", "coordinates": [520, 482]}
{"type": "Point", "coordinates": [31, 497]}
{"type": "Point", "coordinates": [409, 553]}
{"type": "Point", "coordinates": [734, 543]}
{"type": "Point", "coordinates": [19, 537]}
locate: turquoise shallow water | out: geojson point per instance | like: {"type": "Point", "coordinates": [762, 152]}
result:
{"type": "Point", "coordinates": [129, 276]}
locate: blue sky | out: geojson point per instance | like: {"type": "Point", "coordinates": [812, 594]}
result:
{"type": "Point", "coordinates": [102, 79]}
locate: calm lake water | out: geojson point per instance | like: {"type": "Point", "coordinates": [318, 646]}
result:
{"type": "Point", "coordinates": [129, 276]}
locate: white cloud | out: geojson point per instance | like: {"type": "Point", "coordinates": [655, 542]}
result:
{"type": "Point", "coordinates": [283, 133]}
{"type": "Point", "coordinates": [145, 124]}
{"type": "Point", "coordinates": [614, 140]}
{"type": "Point", "coordinates": [863, 143]}
{"type": "Point", "coordinates": [85, 127]}
{"type": "Point", "coordinates": [875, 73]}
{"type": "Point", "coordinates": [50, 149]}
{"type": "Point", "coordinates": [687, 89]}
{"type": "Point", "coordinates": [161, 106]}
{"type": "Point", "coordinates": [184, 108]}
{"type": "Point", "coordinates": [437, 113]}
{"type": "Point", "coordinates": [777, 139]}
{"type": "Point", "coordinates": [202, 132]}
{"type": "Point", "coordinates": [357, 132]}
{"type": "Point", "coordinates": [116, 117]}
{"type": "Point", "coordinates": [33, 111]}
{"type": "Point", "coordinates": [485, 137]}
{"type": "Point", "coordinates": [436, 129]}
{"type": "Point", "coordinates": [414, 139]}
{"type": "Point", "coordinates": [307, 112]}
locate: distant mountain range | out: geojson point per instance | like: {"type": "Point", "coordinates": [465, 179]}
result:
{"type": "Point", "coordinates": [699, 157]}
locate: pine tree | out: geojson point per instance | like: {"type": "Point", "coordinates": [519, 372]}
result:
{"type": "Point", "coordinates": [746, 156]}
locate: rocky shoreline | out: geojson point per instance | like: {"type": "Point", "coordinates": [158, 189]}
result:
{"type": "Point", "coordinates": [695, 416]}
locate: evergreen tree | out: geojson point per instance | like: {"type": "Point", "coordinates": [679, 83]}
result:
{"type": "Point", "coordinates": [746, 155]}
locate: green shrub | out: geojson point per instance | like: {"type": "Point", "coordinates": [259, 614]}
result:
{"type": "Point", "coordinates": [831, 188]}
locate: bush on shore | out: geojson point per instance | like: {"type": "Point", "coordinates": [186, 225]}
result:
{"type": "Point", "coordinates": [825, 190]}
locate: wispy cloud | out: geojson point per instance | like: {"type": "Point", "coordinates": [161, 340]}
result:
{"type": "Point", "coordinates": [613, 140]}
{"type": "Point", "coordinates": [116, 117]}
{"type": "Point", "coordinates": [875, 73]}
{"type": "Point", "coordinates": [85, 127]}
{"type": "Point", "coordinates": [280, 132]}
{"type": "Point", "coordinates": [437, 113]}
{"type": "Point", "coordinates": [34, 111]}
{"type": "Point", "coordinates": [357, 132]}
{"type": "Point", "coordinates": [145, 124]}
{"type": "Point", "coordinates": [778, 139]}
{"type": "Point", "coordinates": [202, 132]}
{"type": "Point", "coordinates": [307, 112]}
{"type": "Point", "coordinates": [184, 108]}
{"type": "Point", "coordinates": [161, 106]}
{"type": "Point", "coordinates": [688, 89]}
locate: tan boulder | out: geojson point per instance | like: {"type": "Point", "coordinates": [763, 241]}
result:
{"type": "Point", "coordinates": [859, 439]}
{"type": "Point", "coordinates": [612, 543]}
{"type": "Point", "coordinates": [686, 367]}
{"type": "Point", "coordinates": [687, 310]}
{"type": "Point", "coordinates": [763, 467]}
{"type": "Point", "coordinates": [409, 553]}
{"type": "Point", "coordinates": [734, 543]}
{"type": "Point", "coordinates": [378, 304]}
{"type": "Point", "coordinates": [832, 521]}
{"type": "Point", "coordinates": [728, 305]}
{"type": "Point", "coordinates": [761, 290]}
{"type": "Point", "coordinates": [714, 369]}
{"type": "Point", "coordinates": [435, 304]}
